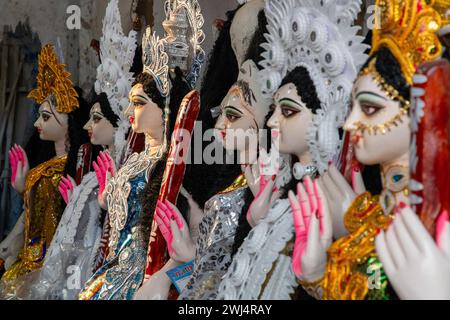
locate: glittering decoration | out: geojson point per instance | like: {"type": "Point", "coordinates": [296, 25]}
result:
{"type": "Point", "coordinates": [408, 29]}
{"type": "Point", "coordinates": [43, 209]}
{"type": "Point", "coordinates": [321, 37]}
{"type": "Point", "coordinates": [123, 271]}
{"type": "Point", "coordinates": [216, 238]}
{"type": "Point", "coordinates": [156, 60]}
{"type": "Point", "coordinates": [184, 18]}
{"type": "Point", "coordinates": [54, 80]}
{"type": "Point", "coordinates": [343, 279]}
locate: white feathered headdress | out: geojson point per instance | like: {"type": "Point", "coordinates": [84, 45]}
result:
{"type": "Point", "coordinates": [113, 75]}
{"type": "Point", "coordinates": [318, 35]}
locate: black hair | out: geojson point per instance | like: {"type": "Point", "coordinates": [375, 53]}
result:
{"type": "Point", "coordinates": [389, 68]}
{"type": "Point", "coordinates": [39, 151]}
{"type": "Point", "coordinates": [149, 86]}
{"type": "Point", "coordinates": [255, 51]}
{"type": "Point", "coordinates": [137, 66]}
{"type": "Point", "coordinates": [305, 87]}
{"type": "Point", "coordinates": [106, 109]}
{"type": "Point", "coordinates": [77, 136]}
{"type": "Point", "coordinates": [179, 88]}
{"type": "Point", "coordinates": [220, 75]}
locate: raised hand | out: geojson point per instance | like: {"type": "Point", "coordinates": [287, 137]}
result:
{"type": "Point", "coordinates": [340, 195]}
{"type": "Point", "coordinates": [175, 231]}
{"type": "Point", "coordinates": [104, 169]}
{"type": "Point", "coordinates": [443, 232]}
{"type": "Point", "coordinates": [19, 166]}
{"type": "Point", "coordinates": [416, 266]}
{"type": "Point", "coordinates": [66, 186]}
{"type": "Point", "coordinates": [313, 230]}
{"type": "Point", "coordinates": [267, 192]}
{"type": "Point", "coordinates": [258, 174]}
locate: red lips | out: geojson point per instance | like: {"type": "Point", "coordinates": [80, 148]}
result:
{"type": "Point", "coordinates": [39, 130]}
{"type": "Point", "coordinates": [275, 134]}
{"type": "Point", "coordinates": [355, 139]}
{"type": "Point", "coordinates": [131, 120]}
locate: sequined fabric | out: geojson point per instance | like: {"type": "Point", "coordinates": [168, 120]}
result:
{"type": "Point", "coordinates": [123, 272]}
{"type": "Point", "coordinates": [214, 245]}
{"type": "Point", "coordinates": [352, 268]}
{"type": "Point", "coordinates": [43, 209]}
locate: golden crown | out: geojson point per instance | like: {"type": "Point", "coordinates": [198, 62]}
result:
{"type": "Point", "coordinates": [407, 28]}
{"type": "Point", "coordinates": [443, 7]}
{"type": "Point", "coordinates": [53, 79]}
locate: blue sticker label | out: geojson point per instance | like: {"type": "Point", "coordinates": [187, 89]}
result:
{"type": "Point", "coordinates": [181, 275]}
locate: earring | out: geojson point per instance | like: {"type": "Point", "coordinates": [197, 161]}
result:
{"type": "Point", "coordinates": [299, 170]}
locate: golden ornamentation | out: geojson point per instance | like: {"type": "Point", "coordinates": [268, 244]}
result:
{"type": "Point", "coordinates": [442, 6]}
{"type": "Point", "coordinates": [93, 288]}
{"type": "Point", "coordinates": [43, 209]}
{"type": "Point", "coordinates": [54, 80]}
{"type": "Point", "coordinates": [407, 28]}
{"type": "Point", "coordinates": [380, 128]}
{"type": "Point", "coordinates": [240, 182]}
{"type": "Point", "coordinates": [390, 91]}
{"type": "Point", "coordinates": [343, 277]}
{"type": "Point", "coordinates": [314, 289]}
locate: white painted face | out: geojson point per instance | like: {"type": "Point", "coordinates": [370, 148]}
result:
{"type": "Point", "coordinates": [100, 130]}
{"type": "Point", "coordinates": [51, 125]}
{"type": "Point", "coordinates": [290, 121]}
{"type": "Point", "coordinates": [371, 106]}
{"type": "Point", "coordinates": [145, 115]}
{"type": "Point", "coordinates": [236, 126]}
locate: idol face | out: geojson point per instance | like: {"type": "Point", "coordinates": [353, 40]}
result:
{"type": "Point", "coordinates": [236, 126]}
{"type": "Point", "coordinates": [51, 125]}
{"type": "Point", "coordinates": [290, 121]}
{"type": "Point", "coordinates": [100, 129]}
{"type": "Point", "coordinates": [145, 116]}
{"type": "Point", "coordinates": [379, 128]}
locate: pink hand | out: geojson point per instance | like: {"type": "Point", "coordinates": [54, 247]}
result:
{"type": "Point", "coordinates": [300, 234]}
{"type": "Point", "coordinates": [110, 164]}
{"type": "Point", "coordinates": [163, 219]}
{"type": "Point", "coordinates": [21, 153]}
{"type": "Point", "coordinates": [14, 161]}
{"type": "Point", "coordinates": [174, 214]}
{"type": "Point", "coordinates": [441, 222]}
{"type": "Point", "coordinates": [101, 176]}
{"type": "Point", "coordinates": [304, 205]}
{"type": "Point", "coordinates": [103, 163]}
{"type": "Point", "coordinates": [68, 183]}
{"type": "Point", "coordinates": [64, 192]}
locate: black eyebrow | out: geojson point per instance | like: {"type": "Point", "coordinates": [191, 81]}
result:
{"type": "Point", "coordinates": [370, 93]}
{"type": "Point", "coordinates": [234, 108]}
{"type": "Point", "coordinates": [138, 95]}
{"type": "Point", "coordinates": [289, 99]}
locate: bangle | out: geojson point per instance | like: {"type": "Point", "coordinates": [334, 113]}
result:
{"type": "Point", "coordinates": [314, 288]}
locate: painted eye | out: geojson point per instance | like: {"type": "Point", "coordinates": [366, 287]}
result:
{"type": "Point", "coordinates": [96, 119]}
{"type": "Point", "coordinates": [370, 109]}
{"type": "Point", "coordinates": [45, 117]}
{"type": "Point", "coordinates": [138, 104]}
{"type": "Point", "coordinates": [232, 117]}
{"type": "Point", "coordinates": [288, 112]}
